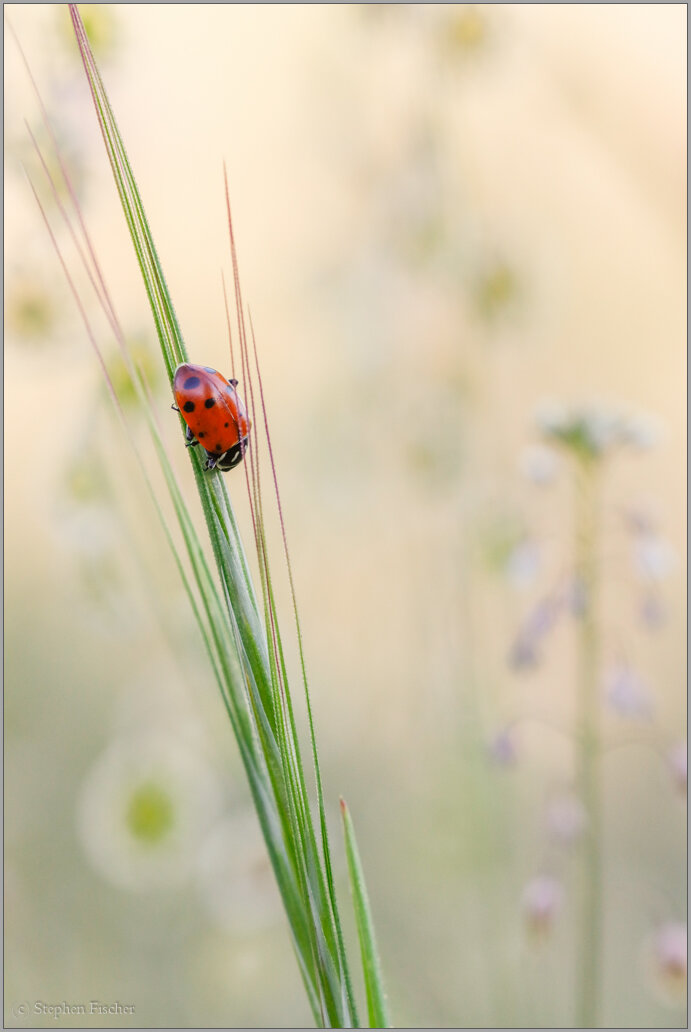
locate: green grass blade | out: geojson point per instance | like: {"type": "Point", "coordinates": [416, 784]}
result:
{"type": "Point", "coordinates": [377, 1005]}
{"type": "Point", "coordinates": [242, 638]}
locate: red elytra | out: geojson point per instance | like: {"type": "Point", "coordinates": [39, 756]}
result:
{"type": "Point", "coordinates": [214, 413]}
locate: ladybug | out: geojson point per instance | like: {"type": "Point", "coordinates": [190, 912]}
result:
{"type": "Point", "coordinates": [215, 414]}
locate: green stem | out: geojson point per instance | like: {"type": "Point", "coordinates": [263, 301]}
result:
{"type": "Point", "coordinates": [589, 953]}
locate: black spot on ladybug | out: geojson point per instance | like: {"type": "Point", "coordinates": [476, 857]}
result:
{"type": "Point", "coordinates": [201, 435]}
{"type": "Point", "coordinates": [209, 403]}
{"type": "Point", "coordinates": [191, 382]}
{"type": "Point", "coordinates": [188, 406]}
{"type": "Point", "coordinates": [226, 424]}
{"type": "Point", "coordinates": [217, 448]}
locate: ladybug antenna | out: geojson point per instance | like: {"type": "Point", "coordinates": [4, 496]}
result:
{"type": "Point", "coordinates": [233, 381]}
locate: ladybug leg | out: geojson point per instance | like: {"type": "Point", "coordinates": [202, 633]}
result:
{"type": "Point", "coordinates": [175, 408]}
{"type": "Point", "coordinates": [190, 442]}
{"type": "Point", "coordinates": [211, 462]}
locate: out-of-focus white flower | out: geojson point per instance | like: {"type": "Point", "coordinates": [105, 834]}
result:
{"type": "Point", "coordinates": [541, 901]}
{"type": "Point", "coordinates": [551, 417]}
{"type": "Point", "coordinates": [523, 563]}
{"type": "Point", "coordinates": [234, 875]}
{"type": "Point", "coordinates": [642, 431]}
{"type": "Point", "coordinates": [665, 962]}
{"type": "Point", "coordinates": [143, 807]}
{"type": "Point", "coordinates": [539, 464]}
{"type": "Point", "coordinates": [601, 427]}
{"type": "Point", "coordinates": [654, 558]}
{"type": "Point", "coordinates": [566, 819]}
{"type": "Point", "coordinates": [594, 428]}
{"type": "Point", "coordinates": [678, 762]}
{"type": "Point", "coordinates": [627, 693]}
{"type": "Point", "coordinates": [502, 748]}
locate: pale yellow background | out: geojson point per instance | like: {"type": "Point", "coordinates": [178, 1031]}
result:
{"type": "Point", "coordinates": [377, 172]}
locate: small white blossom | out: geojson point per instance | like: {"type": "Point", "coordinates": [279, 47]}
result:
{"type": "Point", "coordinates": [594, 428]}
{"type": "Point", "coordinates": [654, 558]}
{"type": "Point", "coordinates": [142, 809]}
{"type": "Point", "coordinates": [642, 431]}
{"type": "Point", "coordinates": [551, 418]}
{"type": "Point", "coordinates": [601, 427]}
{"type": "Point", "coordinates": [539, 464]}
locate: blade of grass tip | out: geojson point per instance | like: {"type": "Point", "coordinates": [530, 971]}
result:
{"type": "Point", "coordinates": [163, 315]}
{"type": "Point", "coordinates": [169, 330]}
{"type": "Point", "coordinates": [258, 792]}
{"type": "Point", "coordinates": [212, 490]}
{"type": "Point", "coordinates": [377, 1005]}
{"type": "Point", "coordinates": [215, 651]}
{"type": "Point", "coordinates": [230, 560]}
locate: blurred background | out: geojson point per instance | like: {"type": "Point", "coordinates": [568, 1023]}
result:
{"type": "Point", "coordinates": [454, 223]}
